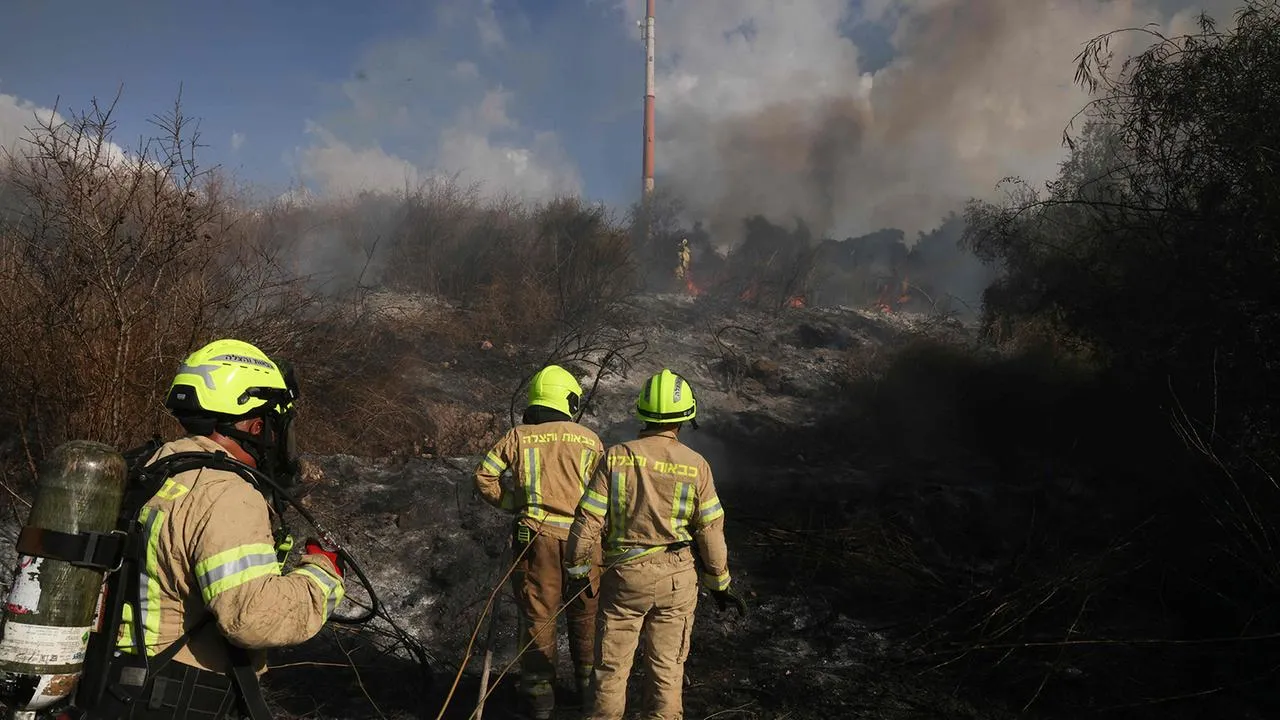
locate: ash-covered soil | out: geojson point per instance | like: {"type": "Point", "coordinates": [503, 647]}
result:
{"type": "Point", "coordinates": [828, 635]}
{"type": "Point", "coordinates": [825, 637]}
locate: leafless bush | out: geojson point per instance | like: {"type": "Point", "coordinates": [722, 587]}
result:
{"type": "Point", "coordinates": [523, 273]}
{"type": "Point", "coordinates": [116, 267]}
{"type": "Point", "coordinates": [117, 264]}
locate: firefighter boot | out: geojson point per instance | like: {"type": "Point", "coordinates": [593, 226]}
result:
{"type": "Point", "coordinates": [583, 697]}
{"type": "Point", "coordinates": [537, 697]}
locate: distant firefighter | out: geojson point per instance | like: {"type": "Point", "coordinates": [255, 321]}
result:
{"type": "Point", "coordinates": [682, 268]}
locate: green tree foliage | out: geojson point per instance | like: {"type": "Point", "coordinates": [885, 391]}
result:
{"type": "Point", "coordinates": [1158, 249]}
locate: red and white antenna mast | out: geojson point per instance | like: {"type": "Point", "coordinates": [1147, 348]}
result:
{"type": "Point", "coordinates": [647, 29]}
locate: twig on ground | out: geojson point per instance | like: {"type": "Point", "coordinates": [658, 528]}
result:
{"type": "Point", "coordinates": [308, 664]}
{"type": "Point", "coordinates": [359, 680]}
{"type": "Point", "coordinates": [15, 495]}
{"type": "Point", "coordinates": [740, 708]}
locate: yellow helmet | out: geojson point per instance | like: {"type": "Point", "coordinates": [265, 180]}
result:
{"type": "Point", "coordinates": [556, 388]}
{"type": "Point", "coordinates": [666, 398]}
{"type": "Point", "coordinates": [231, 379]}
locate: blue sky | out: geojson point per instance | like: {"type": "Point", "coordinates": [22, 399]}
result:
{"type": "Point", "coordinates": [853, 114]}
{"type": "Point", "coordinates": [263, 69]}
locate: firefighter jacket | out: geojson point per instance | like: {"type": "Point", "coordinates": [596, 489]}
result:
{"type": "Point", "coordinates": [550, 464]}
{"type": "Point", "coordinates": [649, 495]}
{"type": "Point", "coordinates": [209, 548]}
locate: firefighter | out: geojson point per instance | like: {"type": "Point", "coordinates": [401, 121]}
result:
{"type": "Point", "coordinates": [685, 256]}
{"type": "Point", "coordinates": [657, 500]}
{"type": "Point", "coordinates": [212, 585]}
{"type": "Point", "coordinates": [550, 458]}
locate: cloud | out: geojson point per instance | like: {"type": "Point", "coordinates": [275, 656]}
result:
{"type": "Point", "coordinates": [487, 26]}
{"type": "Point", "coordinates": [340, 169]}
{"type": "Point", "coordinates": [539, 170]}
{"type": "Point", "coordinates": [765, 107]}
{"type": "Point", "coordinates": [237, 141]}
{"type": "Point", "coordinates": [425, 107]}
{"type": "Point", "coordinates": [20, 119]}
{"type": "Point", "coordinates": [16, 116]}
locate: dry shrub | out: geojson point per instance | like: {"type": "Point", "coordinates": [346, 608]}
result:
{"type": "Point", "coordinates": [117, 265]}
{"type": "Point", "coordinates": [864, 363]}
{"type": "Point", "coordinates": [523, 273]}
{"type": "Point", "coordinates": [455, 430]}
{"type": "Point", "coordinates": [511, 308]}
{"type": "Point", "coordinates": [360, 401]}
{"type": "Point", "coordinates": [114, 266]}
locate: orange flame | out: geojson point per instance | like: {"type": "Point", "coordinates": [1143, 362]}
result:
{"type": "Point", "coordinates": [691, 287]}
{"type": "Point", "coordinates": [795, 301]}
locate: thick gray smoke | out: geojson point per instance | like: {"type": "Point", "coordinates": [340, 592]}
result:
{"type": "Point", "coordinates": [767, 108]}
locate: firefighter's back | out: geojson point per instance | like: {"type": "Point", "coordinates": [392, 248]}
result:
{"type": "Point", "coordinates": [554, 460]}
{"type": "Point", "coordinates": [190, 510]}
{"type": "Point", "coordinates": [654, 488]}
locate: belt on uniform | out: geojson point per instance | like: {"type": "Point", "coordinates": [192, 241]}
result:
{"type": "Point", "coordinates": [175, 690]}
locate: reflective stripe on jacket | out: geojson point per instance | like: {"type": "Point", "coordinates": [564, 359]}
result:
{"type": "Point", "coordinates": [209, 545]}
{"type": "Point", "coordinates": [550, 464]}
{"type": "Point", "coordinates": [647, 495]}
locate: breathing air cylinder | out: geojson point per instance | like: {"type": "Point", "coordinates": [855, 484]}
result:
{"type": "Point", "coordinates": [52, 603]}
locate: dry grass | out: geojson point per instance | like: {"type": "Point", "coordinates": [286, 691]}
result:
{"type": "Point", "coordinates": [457, 430]}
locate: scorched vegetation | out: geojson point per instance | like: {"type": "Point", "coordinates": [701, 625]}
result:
{"type": "Point", "coordinates": [1064, 509]}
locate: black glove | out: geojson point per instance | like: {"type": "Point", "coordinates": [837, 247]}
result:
{"type": "Point", "coordinates": [725, 598]}
{"type": "Point", "coordinates": [579, 585]}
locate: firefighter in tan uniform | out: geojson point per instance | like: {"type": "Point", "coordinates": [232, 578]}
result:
{"type": "Point", "coordinates": [685, 257]}
{"type": "Point", "coordinates": [657, 501]}
{"type": "Point", "coordinates": [212, 579]}
{"type": "Point", "coordinates": [550, 458]}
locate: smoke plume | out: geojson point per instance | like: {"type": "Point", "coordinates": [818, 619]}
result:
{"type": "Point", "coordinates": [771, 108]}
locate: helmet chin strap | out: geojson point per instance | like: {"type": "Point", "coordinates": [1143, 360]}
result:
{"type": "Point", "coordinates": [254, 445]}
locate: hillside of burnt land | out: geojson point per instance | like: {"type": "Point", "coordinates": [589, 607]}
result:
{"type": "Point", "coordinates": [917, 520]}
{"type": "Point", "coordinates": [924, 526]}
{"type": "Point", "coordinates": [802, 509]}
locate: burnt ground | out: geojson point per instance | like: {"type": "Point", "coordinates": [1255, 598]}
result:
{"type": "Point", "coordinates": [828, 634]}
{"type": "Point", "coordinates": [904, 507]}
{"type": "Point", "coordinates": [811, 647]}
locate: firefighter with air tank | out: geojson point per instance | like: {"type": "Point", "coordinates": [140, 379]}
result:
{"type": "Point", "coordinates": [202, 593]}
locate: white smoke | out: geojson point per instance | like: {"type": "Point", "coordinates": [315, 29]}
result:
{"type": "Point", "coordinates": [764, 107]}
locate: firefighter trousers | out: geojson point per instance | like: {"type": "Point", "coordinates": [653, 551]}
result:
{"type": "Point", "coordinates": [539, 582]}
{"type": "Point", "coordinates": [651, 599]}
